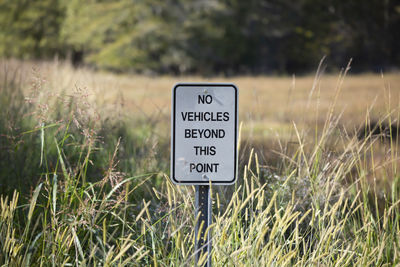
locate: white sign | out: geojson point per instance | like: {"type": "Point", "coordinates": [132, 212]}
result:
{"type": "Point", "coordinates": [204, 133]}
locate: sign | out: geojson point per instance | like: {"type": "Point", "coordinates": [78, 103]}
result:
{"type": "Point", "coordinates": [204, 133]}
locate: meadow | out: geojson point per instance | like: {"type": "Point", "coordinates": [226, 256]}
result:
{"type": "Point", "coordinates": [84, 165]}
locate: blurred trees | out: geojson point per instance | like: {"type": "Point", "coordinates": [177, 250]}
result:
{"type": "Point", "coordinates": [204, 36]}
{"type": "Point", "coordinates": [30, 29]}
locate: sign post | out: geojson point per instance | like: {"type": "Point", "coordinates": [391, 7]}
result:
{"type": "Point", "coordinates": [203, 207]}
{"type": "Point", "coordinates": [204, 146]}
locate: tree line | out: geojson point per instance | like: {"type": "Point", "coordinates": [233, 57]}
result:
{"type": "Point", "coordinates": [204, 36]}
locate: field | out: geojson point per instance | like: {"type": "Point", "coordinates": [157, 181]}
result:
{"type": "Point", "coordinates": [266, 103]}
{"type": "Point", "coordinates": [85, 163]}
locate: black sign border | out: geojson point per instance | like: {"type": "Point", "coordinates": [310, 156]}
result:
{"type": "Point", "coordinates": [173, 134]}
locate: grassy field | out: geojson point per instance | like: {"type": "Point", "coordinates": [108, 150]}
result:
{"type": "Point", "coordinates": [84, 164]}
{"type": "Point", "coordinates": [267, 104]}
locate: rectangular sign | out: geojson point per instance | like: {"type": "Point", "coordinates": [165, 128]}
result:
{"type": "Point", "coordinates": [204, 133]}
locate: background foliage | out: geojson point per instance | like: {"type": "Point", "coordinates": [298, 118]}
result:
{"type": "Point", "coordinates": [206, 37]}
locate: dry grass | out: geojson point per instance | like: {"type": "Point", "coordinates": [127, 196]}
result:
{"type": "Point", "coordinates": [269, 106]}
{"type": "Point", "coordinates": [265, 102]}
{"type": "Point", "coordinates": [318, 204]}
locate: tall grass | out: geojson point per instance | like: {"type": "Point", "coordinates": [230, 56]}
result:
{"type": "Point", "coordinates": [82, 188]}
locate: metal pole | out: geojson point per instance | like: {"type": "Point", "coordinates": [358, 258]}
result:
{"type": "Point", "coordinates": [203, 205]}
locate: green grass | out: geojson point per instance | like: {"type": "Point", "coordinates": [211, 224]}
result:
{"type": "Point", "coordinates": [81, 187]}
